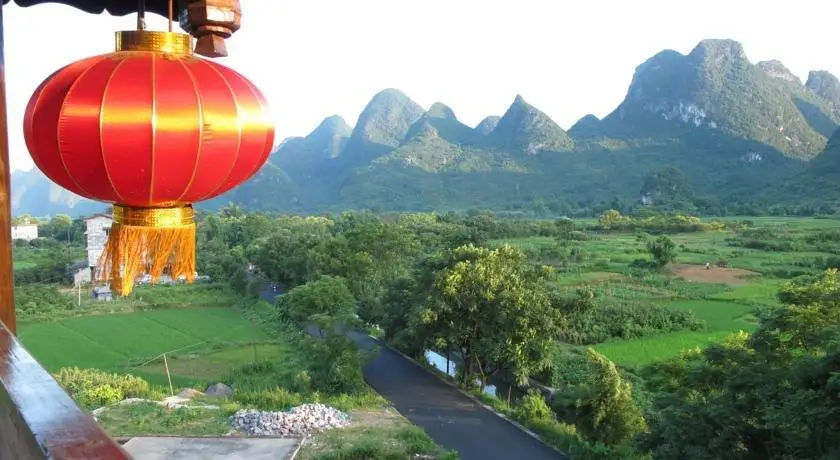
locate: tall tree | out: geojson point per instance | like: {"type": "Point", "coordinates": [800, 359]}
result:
{"type": "Point", "coordinates": [662, 250]}
{"type": "Point", "coordinates": [602, 407]}
{"type": "Point", "coordinates": [324, 303]}
{"type": "Point", "coordinates": [493, 307]}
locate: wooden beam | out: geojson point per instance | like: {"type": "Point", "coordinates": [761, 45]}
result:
{"type": "Point", "coordinates": [7, 292]}
{"type": "Point", "coordinates": [38, 420]}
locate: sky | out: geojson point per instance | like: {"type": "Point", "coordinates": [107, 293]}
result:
{"type": "Point", "coordinates": [316, 58]}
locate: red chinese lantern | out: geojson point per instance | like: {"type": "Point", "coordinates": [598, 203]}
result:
{"type": "Point", "coordinates": [151, 129]}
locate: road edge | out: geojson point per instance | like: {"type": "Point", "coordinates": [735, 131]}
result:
{"type": "Point", "coordinates": [295, 452]}
{"type": "Point", "coordinates": [472, 397]}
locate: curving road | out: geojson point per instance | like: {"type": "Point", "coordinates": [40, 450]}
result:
{"type": "Point", "coordinates": [451, 418]}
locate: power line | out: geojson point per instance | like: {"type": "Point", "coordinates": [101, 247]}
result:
{"type": "Point", "coordinates": [169, 352]}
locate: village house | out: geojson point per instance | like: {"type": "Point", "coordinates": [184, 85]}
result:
{"type": "Point", "coordinates": [26, 230]}
{"type": "Point", "coordinates": [102, 294]}
{"type": "Point", "coordinates": [97, 228]}
{"type": "Point", "coordinates": [81, 272]}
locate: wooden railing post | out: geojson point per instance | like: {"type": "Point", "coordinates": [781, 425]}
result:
{"type": "Point", "coordinates": [7, 293]}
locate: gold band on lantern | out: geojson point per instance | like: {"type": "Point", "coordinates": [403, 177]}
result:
{"type": "Point", "coordinates": [155, 41]}
{"type": "Point", "coordinates": [154, 217]}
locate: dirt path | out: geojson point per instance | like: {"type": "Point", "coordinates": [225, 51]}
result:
{"type": "Point", "coordinates": [716, 275]}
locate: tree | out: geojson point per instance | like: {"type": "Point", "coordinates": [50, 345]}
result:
{"type": "Point", "coordinates": [55, 269]}
{"type": "Point", "coordinates": [324, 303]}
{"type": "Point", "coordinates": [77, 232]}
{"type": "Point", "coordinates": [564, 227]}
{"type": "Point", "coordinates": [769, 395]}
{"type": "Point", "coordinates": [23, 219]}
{"type": "Point", "coordinates": [602, 406]}
{"type": "Point", "coordinates": [380, 252]}
{"type": "Point", "coordinates": [662, 250]}
{"type": "Point", "coordinates": [293, 255]}
{"type": "Point", "coordinates": [493, 307]}
{"type": "Point", "coordinates": [220, 262]}
{"type": "Point", "coordinates": [609, 219]}
{"type": "Point", "coordinates": [60, 225]}
{"type": "Point", "coordinates": [231, 210]}
{"type": "Point", "coordinates": [335, 363]}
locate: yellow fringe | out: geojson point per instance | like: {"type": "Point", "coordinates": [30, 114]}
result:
{"type": "Point", "coordinates": [163, 245]}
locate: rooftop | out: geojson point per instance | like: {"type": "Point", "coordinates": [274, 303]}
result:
{"type": "Point", "coordinates": [99, 216]}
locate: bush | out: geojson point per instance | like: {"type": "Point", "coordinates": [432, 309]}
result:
{"type": "Point", "coordinates": [98, 396]}
{"type": "Point", "coordinates": [335, 365]}
{"type": "Point", "coordinates": [602, 407]}
{"type": "Point", "coordinates": [562, 436]}
{"type": "Point", "coordinates": [182, 295]}
{"type": "Point", "coordinates": [772, 246]}
{"type": "Point", "coordinates": [624, 322]}
{"type": "Point", "coordinates": [533, 407]}
{"type": "Point", "coordinates": [282, 385]}
{"type": "Point", "coordinates": [93, 388]}
{"type": "Point", "coordinates": [38, 300]}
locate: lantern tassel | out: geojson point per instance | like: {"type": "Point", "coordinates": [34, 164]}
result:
{"type": "Point", "coordinates": [153, 241]}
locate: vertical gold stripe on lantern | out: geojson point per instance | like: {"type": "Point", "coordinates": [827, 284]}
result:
{"type": "Point", "coordinates": [154, 241]}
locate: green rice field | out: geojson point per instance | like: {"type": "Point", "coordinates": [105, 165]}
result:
{"type": "Point", "coordinates": [201, 343]}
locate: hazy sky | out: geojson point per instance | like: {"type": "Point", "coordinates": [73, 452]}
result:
{"type": "Point", "coordinates": [316, 58]}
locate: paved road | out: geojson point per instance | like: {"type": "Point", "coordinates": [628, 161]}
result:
{"type": "Point", "coordinates": [452, 419]}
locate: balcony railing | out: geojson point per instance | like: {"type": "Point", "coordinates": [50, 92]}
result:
{"type": "Point", "coordinates": [38, 420]}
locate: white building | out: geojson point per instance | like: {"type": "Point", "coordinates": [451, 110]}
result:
{"type": "Point", "coordinates": [81, 273]}
{"type": "Point", "coordinates": [97, 228]}
{"type": "Point", "coordinates": [25, 231]}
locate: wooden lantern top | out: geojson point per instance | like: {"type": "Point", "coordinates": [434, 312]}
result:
{"type": "Point", "coordinates": [211, 22]}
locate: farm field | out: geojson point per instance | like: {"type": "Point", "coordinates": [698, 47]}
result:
{"type": "Point", "coordinates": [28, 257]}
{"type": "Point", "coordinates": [758, 259]}
{"type": "Point", "coordinates": [202, 343]}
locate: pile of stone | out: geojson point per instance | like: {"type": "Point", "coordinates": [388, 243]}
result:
{"type": "Point", "coordinates": [299, 421]}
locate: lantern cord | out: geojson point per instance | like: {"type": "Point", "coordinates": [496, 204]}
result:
{"type": "Point", "coordinates": [148, 241]}
{"type": "Point", "coordinates": [170, 15]}
{"type": "Point", "coordinates": [141, 14]}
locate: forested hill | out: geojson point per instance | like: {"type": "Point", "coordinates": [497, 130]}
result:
{"type": "Point", "coordinates": [706, 132]}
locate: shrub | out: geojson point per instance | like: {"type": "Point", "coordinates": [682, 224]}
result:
{"type": "Point", "coordinates": [92, 388]}
{"type": "Point", "coordinates": [38, 300]}
{"type": "Point", "coordinates": [625, 321]}
{"type": "Point", "coordinates": [533, 407]}
{"type": "Point", "coordinates": [335, 365]}
{"type": "Point", "coordinates": [603, 409]}
{"type": "Point", "coordinates": [98, 396]}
